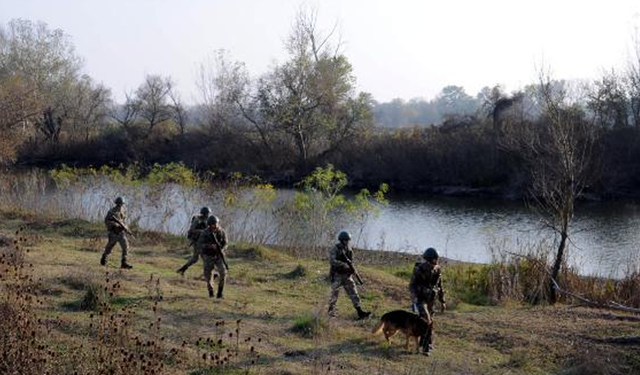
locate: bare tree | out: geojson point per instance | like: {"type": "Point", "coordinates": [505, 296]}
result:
{"type": "Point", "coordinates": [179, 112]}
{"type": "Point", "coordinates": [224, 86]}
{"type": "Point", "coordinates": [18, 106]}
{"type": "Point", "coordinates": [153, 99]}
{"type": "Point", "coordinates": [633, 81]}
{"type": "Point", "coordinates": [86, 106]}
{"type": "Point", "coordinates": [127, 113]}
{"type": "Point", "coordinates": [608, 100]}
{"type": "Point", "coordinates": [559, 152]}
{"type": "Point", "coordinates": [45, 60]}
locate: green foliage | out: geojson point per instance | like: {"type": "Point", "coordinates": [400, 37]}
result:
{"type": "Point", "coordinates": [320, 201]}
{"type": "Point", "coordinates": [468, 282]}
{"type": "Point", "coordinates": [309, 325]}
{"type": "Point", "coordinates": [176, 173]}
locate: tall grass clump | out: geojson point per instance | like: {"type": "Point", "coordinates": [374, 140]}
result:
{"type": "Point", "coordinates": [227, 351]}
{"type": "Point", "coordinates": [310, 325]}
{"type": "Point", "coordinates": [22, 333]}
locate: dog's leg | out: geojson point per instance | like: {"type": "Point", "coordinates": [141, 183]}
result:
{"type": "Point", "coordinates": [416, 339]}
{"type": "Point", "coordinates": [388, 333]}
{"type": "Point", "coordinates": [406, 344]}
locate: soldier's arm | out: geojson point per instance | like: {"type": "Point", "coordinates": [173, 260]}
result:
{"type": "Point", "coordinates": [111, 220]}
{"type": "Point", "coordinates": [223, 239]}
{"type": "Point", "coordinates": [335, 262]}
{"type": "Point", "coordinates": [192, 228]}
{"type": "Point", "coordinates": [413, 284]}
{"type": "Point", "coordinates": [193, 225]}
{"type": "Point", "coordinates": [440, 288]}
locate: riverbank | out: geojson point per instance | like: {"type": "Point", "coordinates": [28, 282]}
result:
{"type": "Point", "coordinates": [278, 301]}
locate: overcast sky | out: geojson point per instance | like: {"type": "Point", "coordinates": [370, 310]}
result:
{"type": "Point", "coordinates": [399, 48]}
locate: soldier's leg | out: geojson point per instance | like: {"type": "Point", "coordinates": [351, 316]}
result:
{"type": "Point", "coordinates": [111, 242]}
{"type": "Point", "coordinates": [193, 260]}
{"type": "Point", "coordinates": [430, 303]}
{"type": "Point", "coordinates": [124, 245]}
{"type": "Point", "coordinates": [208, 264]}
{"type": "Point", "coordinates": [423, 311]}
{"type": "Point", "coordinates": [222, 272]}
{"type": "Point", "coordinates": [350, 287]}
{"type": "Point", "coordinates": [336, 284]}
{"type": "Point", "coordinates": [352, 292]}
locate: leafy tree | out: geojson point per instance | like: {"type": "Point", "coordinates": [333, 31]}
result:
{"type": "Point", "coordinates": [310, 100]}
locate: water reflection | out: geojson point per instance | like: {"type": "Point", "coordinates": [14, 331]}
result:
{"type": "Point", "coordinates": [605, 239]}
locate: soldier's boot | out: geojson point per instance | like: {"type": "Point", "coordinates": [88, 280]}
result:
{"type": "Point", "coordinates": [331, 312]}
{"type": "Point", "coordinates": [362, 314]}
{"type": "Point", "coordinates": [210, 293]}
{"type": "Point", "coordinates": [220, 290]}
{"type": "Point", "coordinates": [103, 259]}
{"type": "Point", "coordinates": [125, 265]}
{"type": "Point", "coordinates": [181, 270]}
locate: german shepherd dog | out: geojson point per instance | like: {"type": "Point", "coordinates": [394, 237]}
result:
{"type": "Point", "coordinates": [412, 325]}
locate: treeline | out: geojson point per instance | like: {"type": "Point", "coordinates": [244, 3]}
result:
{"type": "Point", "coordinates": [303, 113]}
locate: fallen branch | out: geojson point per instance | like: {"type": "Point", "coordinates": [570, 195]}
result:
{"type": "Point", "coordinates": [610, 305]}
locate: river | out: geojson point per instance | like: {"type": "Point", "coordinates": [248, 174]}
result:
{"type": "Point", "coordinates": [605, 237]}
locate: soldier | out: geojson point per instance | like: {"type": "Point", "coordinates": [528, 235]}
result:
{"type": "Point", "coordinates": [340, 257]}
{"type": "Point", "coordinates": [198, 224]}
{"type": "Point", "coordinates": [211, 245]}
{"type": "Point", "coordinates": [117, 229]}
{"type": "Point", "coordinates": [425, 283]}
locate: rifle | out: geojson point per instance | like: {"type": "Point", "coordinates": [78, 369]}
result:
{"type": "Point", "coordinates": [123, 225]}
{"type": "Point", "coordinates": [351, 267]}
{"type": "Point", "coordinates": [224, 261]}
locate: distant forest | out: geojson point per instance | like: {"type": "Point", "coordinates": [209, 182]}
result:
{"type": "Point", "coordinates": [306, 112]}
{"type": "Point", "coordinates": [451, 101]}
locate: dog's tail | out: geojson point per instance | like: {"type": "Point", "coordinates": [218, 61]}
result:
{"type": "Point", "coordinates": [378, 329]}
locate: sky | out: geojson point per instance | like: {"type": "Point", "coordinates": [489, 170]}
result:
{"type": "Point", "coordinates": [398, 48]}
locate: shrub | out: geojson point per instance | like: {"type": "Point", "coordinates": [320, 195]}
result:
{"type": "Point", "coordinates": [310, 326]}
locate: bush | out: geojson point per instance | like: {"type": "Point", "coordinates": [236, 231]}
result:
{"type": "Point", "coordinates": [310, 326]}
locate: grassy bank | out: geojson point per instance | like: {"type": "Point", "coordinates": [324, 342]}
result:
{"type": "Point", "coordinates": [272, 319]}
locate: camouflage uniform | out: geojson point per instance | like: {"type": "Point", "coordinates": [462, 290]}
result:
{"type": "Point", "coordinates": [341, 276]}
{"type": "Point", "coordinates": [425, 283]}
{"type": "Point", "coordinates": [198, 225]}
{"type": "Point", "coordinates": [210, 245]}
{"type": "Point", "coordinates": [116, 232]}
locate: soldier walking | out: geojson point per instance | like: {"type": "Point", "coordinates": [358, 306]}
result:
{"type": "Point", "coordinates": [117, 229]}
{"type": "Point", "coordinates": [426, 283]}
{"type": "Point", "coordinates": [198, 225]}
{"type": "Point", "coordinates": [211, 245]}
{"type": "Point", "coordinates": [340, 259]}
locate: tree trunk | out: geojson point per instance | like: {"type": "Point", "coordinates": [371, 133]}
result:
{"type": "Point", "coordinates": [302, 149]}
{"type": "Point", "coordinates": [553, 297]}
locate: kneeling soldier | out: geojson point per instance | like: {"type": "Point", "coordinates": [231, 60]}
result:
{"type": "Point", "coordinates": [211, 245]}
{"type": "Point", "coordinates": [340, 259]}
{"type": "Point", "coordinates": [425, 283]}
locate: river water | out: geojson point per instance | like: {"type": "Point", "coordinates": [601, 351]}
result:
{"type": "Point", "coordinates": [605, 239]}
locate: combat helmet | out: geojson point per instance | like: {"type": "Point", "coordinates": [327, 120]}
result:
{"type": "Point", "coordinates": [344, 236]}
{"type": "Point", "coordinates": [119, 201]}
{"type": "Point", "coordinates": [205, 211]}
{"type": "Point", "coordinates": [212, 220]}
{"type": "Point", "coordinates": [430, 254]}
